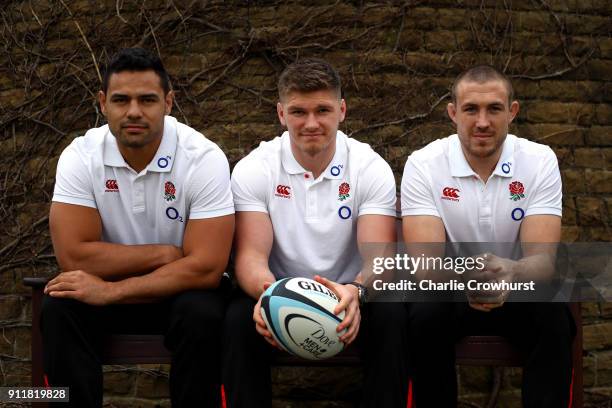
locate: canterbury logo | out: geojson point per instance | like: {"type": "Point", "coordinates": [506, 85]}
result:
{"type": "Point", "coordinates": [283, 191]}
{"type": "Point", "coordinates": [450, 193]}
{"type": "Point", "coordinates": [111, 185]}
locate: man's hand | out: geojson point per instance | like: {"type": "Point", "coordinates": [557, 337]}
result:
{"type": "Point", "coordinates": [349, 302]}
{"type": "Point", "coordinates": [81, 286]}
{"type": "Point", "coordinates": [260, 324]}
{"type": "Point", "coordinates": [496, 269]}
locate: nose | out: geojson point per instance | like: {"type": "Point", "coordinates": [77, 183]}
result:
{"type": "Point", "coordinates": [134, 110]}
{"type": "Point", "coordinates": [483, 121]}
{"type": "Point", "coordinates": [311, 122]}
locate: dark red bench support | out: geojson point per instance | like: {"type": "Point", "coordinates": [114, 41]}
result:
{"type": "Point", "coordinates": [149, 349]}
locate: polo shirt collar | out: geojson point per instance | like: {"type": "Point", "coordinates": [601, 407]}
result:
{"type": "Point", "coordinates": [112, 155]}
{"type": "Point", "coordinates": [459, 166]}
{"type": "Point", "coordinates": [163, 159]}
{"type": "Point", "coordinates": [505, 165]}
{"type": "Point", "coordinates": [334, 170]}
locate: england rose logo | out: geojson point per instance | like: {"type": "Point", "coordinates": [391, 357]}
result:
{"type": "Point", "coordinates": [169, 191]}
{"type": "Point", "coordinates": [343, 191]}
{"type": "Point", "coordinates": [517, 190]}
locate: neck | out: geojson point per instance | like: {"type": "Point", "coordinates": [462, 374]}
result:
{"type": "Point", "coordinates": [139, 157]}
{"type": "Point", "coordinates": [315, 164]}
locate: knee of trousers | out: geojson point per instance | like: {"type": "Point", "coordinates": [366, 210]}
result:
{"type": "Point", "coordinates": [385, 318]}
{"type": "Point", "coordinates": [56, 312]}
{"type": "Point", "coordinates": [204, 309]}
{"type": "Point", "coordinates": [239, 322]}
{"type": "Point", "coordinates": [432, 322]}
{"type": "Point", "coordinates": [555, 325]}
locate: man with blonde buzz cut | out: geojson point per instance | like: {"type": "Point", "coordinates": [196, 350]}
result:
{"type": "Point", "coordinates": [487, 186]}
{"type": "Point", "coordinates": [307, 202]}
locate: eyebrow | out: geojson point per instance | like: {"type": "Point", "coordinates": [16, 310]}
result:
{"type": "Point", "coordinates": [123, 95]}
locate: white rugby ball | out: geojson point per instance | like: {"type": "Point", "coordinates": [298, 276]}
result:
{"type": "Point", "coordinates": [299, 312]}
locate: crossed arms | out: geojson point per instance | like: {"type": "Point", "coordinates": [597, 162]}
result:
{"type": "Point", "coordinates": [98, 272]}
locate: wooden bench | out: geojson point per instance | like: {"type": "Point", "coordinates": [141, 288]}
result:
{"type": "Point", "coordinates": [149, 349]}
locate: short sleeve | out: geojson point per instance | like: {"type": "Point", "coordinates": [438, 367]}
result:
{"type": "Point", "coordinates": [417, 198]}
{"type": "Point", "coordinates": [209, 187]}
{"type": "Point", "coordinates": [377, 184]}
{"type": "Point", "coordinates": [249, 186]}
{"type": "Point", "coordinates": [547, 198]}
{"type": "Point", "coordinates": [73, 183]}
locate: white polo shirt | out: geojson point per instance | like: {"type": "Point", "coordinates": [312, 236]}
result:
{"type": "Point", "coordinates": [187, 179]}
{"type": "Point", "coordinates": [314, 221]}
{"type": "Point", "coordinates": [438, 181]}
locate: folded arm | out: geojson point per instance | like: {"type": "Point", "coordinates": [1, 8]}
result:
{"type": "Point", "coordinates": [76, 232]}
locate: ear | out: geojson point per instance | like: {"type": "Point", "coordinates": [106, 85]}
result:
{"type": "Point", "coordinates": [281, 114]}
{"type": "Point", "coordinates": [102, 99]}
{"type": "Point", "coordinates": [169, 99]}
{"type": "Point", "coordinates": [514, 110]}
{"type": "Point", "coordinates": [451, 109]}
{"type": "Point", "coordinates": [342, 110]}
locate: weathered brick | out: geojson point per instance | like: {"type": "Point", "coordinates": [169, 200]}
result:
{"type": "Point", "coordinates": [475, 379]}
{"type": "Point", "coordinates": [11, 307]}
{"type": "Point", "coordinates": [451, 19]}
{"type": "Point", "coordinates": [16, 374]}
{"type": "Point", "coordinates": [573, 181]}
{"type": "Point", "coordinates": [571, 90]}
{"type": "Point", "coordinates": [586, 25]}
{"type": "Point", "coordinates": [22, 342]}
{"type": "Point", "coordinates": [598, 181]}
{"type": "Point", "coordinates": [590, 310]}
{"type": "Point", "coordinates": [591, 211]}
{"type": "Point", "coordinates": [599, 135]}
{"type": "Point", "coordinates": [569, 211]}
{"type": "Point", "coordinates": [552, 134]}
{"type": "Point", "coordinates": [570, 233]}
{"type": "Point", "coordinates": [153, 384]}
{"type": "Point", "coordinates": [597, 336]}
{"type": "Point", "coordinates": [599, 69]}
{"type": "Point", "coordinates": [534, 21]}
{"type": "Point", "coordinates": [448, 41]}
{"type": "Point", "coordinates": [410, 40]}
{"type": "Point", "coordinates": [603, 114]}
{"type": "Point", "coordinates": [559, 112]}
{"type": "Point", "coordinates": [118, 382]}
{"type": "Point", "coordinates": [594, 158]}
{"type": "Point", "coordinates": [12, 98]}
{"type": "Point", "coordinates": [589, 370]}
{"type": "Point", "coordinates": [422, 18]}
{"type": "Point", "coordinates": [564, 156]}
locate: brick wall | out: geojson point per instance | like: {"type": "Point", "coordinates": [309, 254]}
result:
{"type": "Point", "coordinates": [396, 59]}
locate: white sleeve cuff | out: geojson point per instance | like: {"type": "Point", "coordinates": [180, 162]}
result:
{"type": "Point", "coordinates": [198, 215]}
{"type": "Point", "coordinates": [85, 202]}
{"type": "Point", "coordinates": [420, 211]}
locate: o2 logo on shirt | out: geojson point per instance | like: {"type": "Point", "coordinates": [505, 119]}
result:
{"type": "Point", "coordinates": [173, 214]}
{"type": "Point", "coordinates": [518, 214]}
{"type": "Point", "coordinates": [344, 212]}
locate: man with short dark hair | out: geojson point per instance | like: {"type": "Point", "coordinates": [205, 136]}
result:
{"type": "Point", "coordinates": [307, 204]}
{"type": "Point", "coordinates": [485, 185]}
{"type": "Point", "coordinates": [142, 224]}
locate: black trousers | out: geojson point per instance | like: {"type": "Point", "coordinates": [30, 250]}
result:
{"type": "Point", "coordinates": [191, 322]}
{"type": "Point", "coordinates": [543, 331]}
{"type": "Point", "coordinates": [382, 339]}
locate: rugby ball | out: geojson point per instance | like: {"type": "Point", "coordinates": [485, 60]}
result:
{"type": "Point", "coordinates": [299, 312]}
